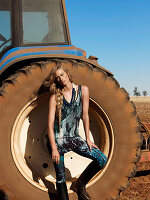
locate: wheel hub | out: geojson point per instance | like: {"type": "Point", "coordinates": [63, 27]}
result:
{"type": "Point", "coordinates": [29, 149]}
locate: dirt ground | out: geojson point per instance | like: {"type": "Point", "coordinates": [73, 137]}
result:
{"type": "Point", "coordinates": [139, 188]}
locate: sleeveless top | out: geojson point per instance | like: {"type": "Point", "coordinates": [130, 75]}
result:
{"type": "Point", "coordinates": [71, 115]}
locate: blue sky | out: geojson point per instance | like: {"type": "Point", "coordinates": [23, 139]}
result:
{"type": "Point", "coordinates": [118, 33]}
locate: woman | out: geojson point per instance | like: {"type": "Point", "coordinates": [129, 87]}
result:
{"type": "Point", "coordinates": [66, 105]}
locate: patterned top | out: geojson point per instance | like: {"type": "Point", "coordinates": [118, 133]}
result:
{"type": "Point", "coordinates": [71, 115]}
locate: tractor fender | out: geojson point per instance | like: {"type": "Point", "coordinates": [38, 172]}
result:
{"type": "Point", "coordinates": [18, 54]}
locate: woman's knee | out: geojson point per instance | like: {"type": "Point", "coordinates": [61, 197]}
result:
{"type": "Point", "coordinates": [60, 174]}
{"type": "Point", "coordinates": [60, 178]}
{"type": "Point", "coordinates": [100, 158]}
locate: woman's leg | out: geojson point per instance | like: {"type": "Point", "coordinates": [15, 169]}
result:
{"type": "Point", "coordinates": [60, 170]}
{"type": "Point", "coordinates": [60, 179]}
{"type": "Point", "coordinates": [60, 176]}
{"type": "Point", "coordinates": [99, 161]}
{"type": "Point", "coordinates": [95, 154]}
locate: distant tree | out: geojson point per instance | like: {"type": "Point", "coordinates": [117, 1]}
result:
{"type": "Point", "coordinates": [136, 93]}
{"type": "Point", "coordinates": [144, 93]}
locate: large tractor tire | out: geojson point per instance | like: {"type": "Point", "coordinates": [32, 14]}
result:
{"type": "Point", "coordinates": [26, 169]}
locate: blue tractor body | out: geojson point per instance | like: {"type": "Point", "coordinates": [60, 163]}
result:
{"type": "Point", "coordinates": [23, 53]}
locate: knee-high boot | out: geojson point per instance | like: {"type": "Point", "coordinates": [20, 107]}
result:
{"type": "Point", "coordinates": [91, 170]}
{"type": "Point", "coordinates": [62, 191]}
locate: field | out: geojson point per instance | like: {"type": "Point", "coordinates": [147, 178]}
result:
{"type": "Point", "coordinates": [139, 188]}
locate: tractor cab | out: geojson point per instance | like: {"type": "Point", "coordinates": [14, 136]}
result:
{"type": "Point", "coordinates": [32, 23]}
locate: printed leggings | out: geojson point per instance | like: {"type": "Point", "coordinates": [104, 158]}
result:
{"type": "Point", "coordinates": [95, 154]}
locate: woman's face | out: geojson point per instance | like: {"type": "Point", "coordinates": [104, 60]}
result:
{"type": "Point", "coordinates": [62, 77]}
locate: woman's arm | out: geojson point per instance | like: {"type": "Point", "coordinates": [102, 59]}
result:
{"type": "Point", "coordinates": [85, 108]}
{"type": "Point", "coordinates": [51, 118]}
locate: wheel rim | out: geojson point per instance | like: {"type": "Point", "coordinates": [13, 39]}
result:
{"type": "Point", "coordinates": [29, 151]}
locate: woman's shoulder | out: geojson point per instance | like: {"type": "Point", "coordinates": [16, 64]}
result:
{"type": "Point", "coordinates": [84, 89]}
{"type": "Point", "coordinates": [52, 98]}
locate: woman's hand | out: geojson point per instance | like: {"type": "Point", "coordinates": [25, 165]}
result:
{"type": "Point", "coordinates": [90, 144]}
{"type": "Point", "coordinates": [55, 156]}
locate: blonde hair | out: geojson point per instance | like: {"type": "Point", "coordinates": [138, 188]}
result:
{"type": "Point", "coordinates": [57, 89]}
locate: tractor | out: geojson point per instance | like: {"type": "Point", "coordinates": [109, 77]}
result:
{"type": "Point", "coordinates": [142, 104]}
{"type": "Point", "coordinates": [34, 37]}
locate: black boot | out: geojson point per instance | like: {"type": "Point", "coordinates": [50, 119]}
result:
{"type": "Point", "coordinates": [91, 170]}
{"type": "Point", "coordinates": [81, 191]}
{"type": "Point", "coordinates": [62, 191]}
